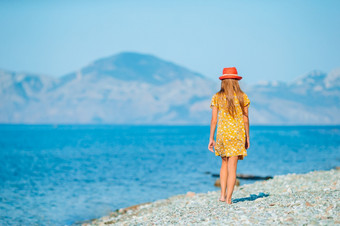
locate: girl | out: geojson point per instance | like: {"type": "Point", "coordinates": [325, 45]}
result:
{"type": "Point", "coordinates": [232, 138]}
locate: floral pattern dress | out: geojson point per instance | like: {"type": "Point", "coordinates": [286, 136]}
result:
{"type": "Point", "coordinates": [230, 137]}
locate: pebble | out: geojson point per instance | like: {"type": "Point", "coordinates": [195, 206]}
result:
{"type": "Point", "coordinates": [293, 199]}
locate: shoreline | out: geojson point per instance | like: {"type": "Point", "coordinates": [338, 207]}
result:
{"type": "Point", "coordinates": [310, 198]}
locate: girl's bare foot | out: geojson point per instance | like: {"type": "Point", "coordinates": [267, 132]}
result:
{"type": "Point", "coordinates": [228, 201]}
{"type": "Point", "coordinates": [222, 199]}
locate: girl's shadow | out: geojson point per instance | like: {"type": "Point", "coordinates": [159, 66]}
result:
{"type": "Point", "coordinates": [252, 197]}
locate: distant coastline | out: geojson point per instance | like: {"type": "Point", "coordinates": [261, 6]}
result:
{"type": "Point", "coordinates": [293, 198]}
{"type": "Point", "coordinates": [133, 88]}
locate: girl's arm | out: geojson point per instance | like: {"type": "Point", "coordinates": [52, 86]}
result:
{"type": "Point", "coordinates": [246, 126]}
{"type": "Point", "coordinates": [212, 129]}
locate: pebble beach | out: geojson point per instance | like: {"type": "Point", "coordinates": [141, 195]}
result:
{"type": "Point", "coordinates": [292, 199]}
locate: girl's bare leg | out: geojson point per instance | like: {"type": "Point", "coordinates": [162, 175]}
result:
{"type": "Point", "coordinates": [223, 177]}
{"type": "Point", "coordinates": [232, 166]}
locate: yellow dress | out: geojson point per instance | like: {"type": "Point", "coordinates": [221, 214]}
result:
{"type": "Point", "coordinates": [230, 137]}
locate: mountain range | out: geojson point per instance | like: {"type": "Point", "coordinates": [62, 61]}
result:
{"type": "Point", "coordinates": [133, 88]}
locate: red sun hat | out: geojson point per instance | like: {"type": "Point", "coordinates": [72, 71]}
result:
{"type": "Point", "coordinates": [230, 72]}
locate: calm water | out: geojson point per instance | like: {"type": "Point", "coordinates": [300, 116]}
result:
{"type": "Point", "coordinates": [59, 175]}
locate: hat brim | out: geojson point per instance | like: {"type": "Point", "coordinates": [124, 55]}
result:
{"type": "Point", "coordinates": [230, 76]}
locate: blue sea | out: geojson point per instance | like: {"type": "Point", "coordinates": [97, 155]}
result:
{"type": "Point", "coordinates": [61, 174]}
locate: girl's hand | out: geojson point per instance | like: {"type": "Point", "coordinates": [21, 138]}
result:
{"type": "Point", "coordinates": [247, 145]}
{"type": "Point", "coordinates": [211, 145]}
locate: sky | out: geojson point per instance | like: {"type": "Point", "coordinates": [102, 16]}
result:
{"type": "Point", "coordinates": [263, 39]}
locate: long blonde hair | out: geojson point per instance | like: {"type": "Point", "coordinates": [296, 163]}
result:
{"type": "Point", "coordinates": [228, 88]}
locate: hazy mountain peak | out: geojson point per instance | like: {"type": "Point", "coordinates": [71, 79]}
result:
{"type": "Point", "coordinates": [312, 78]}
{"type": "Point", "coordinates": [333, 79]}
{"type": "Point", "coordinates": [129, 66]}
